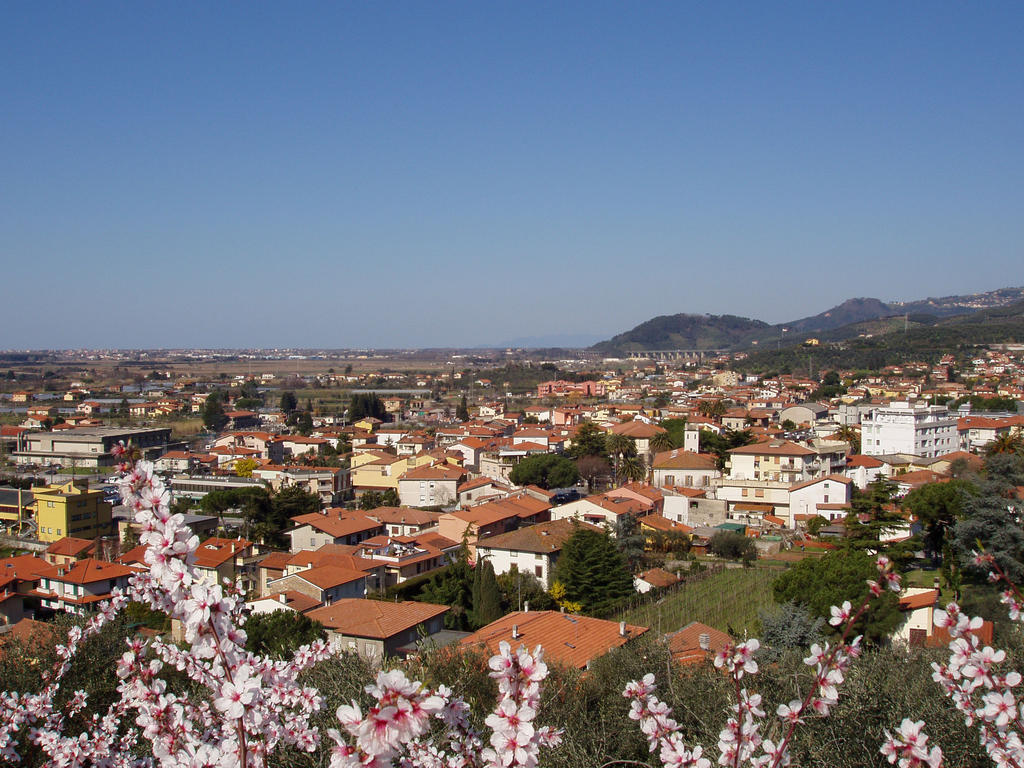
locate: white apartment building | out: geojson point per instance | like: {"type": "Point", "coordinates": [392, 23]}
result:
{"type": "Point", "coordinates": [921, 430]}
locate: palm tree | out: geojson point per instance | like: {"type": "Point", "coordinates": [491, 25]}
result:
{"type": "Point", "coordinates": [633, 468]}
{"type": "Point", "coordinates": [1008, 442]}
{"type": "Point", "coordinates": [848, 434]}
{"type": "Point", "coordinates": [619, 446]}
{"type": "Point", "coordinates": [662, 441]}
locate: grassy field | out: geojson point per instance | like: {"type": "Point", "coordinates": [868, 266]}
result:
{"type": "Point", "coordinates": [725, 600]}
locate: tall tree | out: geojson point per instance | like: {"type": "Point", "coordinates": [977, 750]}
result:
{"type": "Point", "coordinates": [620, 447]}
{"type": "Point", "coordinates": [633, 469]}
{"type": "Point", "coordinates": [589, 440]}
{"type": "Point", "coordinates": [662, 441]}
{"type": "Point", "coordinates": [592, 571]}
{"type": "Point", "coordinates": [288, 401]}
{"type": "Point", "coordinates": [462, 412]}
{"type": "Point", "coordinates": [453, 586]}
{"type": "Point", "coordinates": [820, 583]}
{"type": "Point", "coordinates": [214, 417]}
{"type": "Point", "coordinates": [547, 470]}
{"type": "Point", "coordinates": [873, 515]}
{"type": "Point", "coordinates": [486, 595]}
{"type": "Point", "coordinates": [938, 506]}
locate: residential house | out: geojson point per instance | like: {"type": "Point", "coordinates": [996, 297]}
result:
{"type": "Point", "coordinates": [481, 488]}
{"type": "Point", "coordinates": [219, 559]}
{"type": "Point", "coordinates": [404, 521]}
{"type": "Point", "coordinates": [377, 629]}
{"type": "Point", "coordinates": [641, 432]}
{"type": "Point", "coordinates": [601, 510]}
{"type": "Point", "coordinates": [492, 518]}
{"type": "Point", "coordinates": [654, 578]}
{"type": "Point", "coordinates": [864, 470]}
{"type": "Point", "coordinates": [405, 557]}
{"type": "Point", "coordinates": [567, 639]}
{"type": "Point", "coordinates": [533, 549]}
{"type": "Point", "coordinates": [327, 584]}
{"type": "Point", "coordinates": [827, 496]}
{"type": "Point", "coordinates": [332, 526]}
{"type": "Point", "coordinates": [19, 580]}
{"type": "Point", "coordinates": [684, 468]}
{"type": "Point", "coordinates": [429, 486]}
{"type": "Point", "coordinates": [69, 550]}
{"type": "Point", "coordinates": [78, 588]}
{"type": "Point", "coordinates": [918, 604]}
{"type": "Point", "coordinates": [285, 447]}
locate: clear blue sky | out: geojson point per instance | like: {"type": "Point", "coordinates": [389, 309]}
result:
{"type": "Point", "coordinates": [438, 174]}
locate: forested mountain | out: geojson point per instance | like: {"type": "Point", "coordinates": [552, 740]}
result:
{"type": "Point", "coordinates": [851, 319]}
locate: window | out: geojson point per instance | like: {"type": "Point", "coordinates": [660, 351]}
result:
{"type": "Point", "coordinates": [539, 571]}
{"type": "Point", "coordinates": [759, 493]}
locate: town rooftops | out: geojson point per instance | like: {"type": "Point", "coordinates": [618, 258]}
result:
{"type": "Point", "coordinates": [636, 429]}
{"type": "Point", "coordinates": [329, 576]}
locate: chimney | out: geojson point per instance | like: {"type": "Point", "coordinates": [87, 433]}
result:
{"type": "Point", "coordinates": [526, 606]}
{"type": "Point", "coordinates": [282, 598]}
{"type": "Point", "coordinates": [515, 632]}
{"type": "Point", "coordinates": [622, 629]}
{"type": "Point", "coordinates": [704, 640]}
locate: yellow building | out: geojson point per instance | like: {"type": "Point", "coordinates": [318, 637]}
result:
{"type": "Point", "coordinates": [71, 509]}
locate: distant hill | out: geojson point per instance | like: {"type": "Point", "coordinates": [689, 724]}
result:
{"type": "Point", "coordinates": [683, 332]}
{"type": "Point", "coordinates": [874, 344]}
{"type": "Point", "coordinates": [851, 319]}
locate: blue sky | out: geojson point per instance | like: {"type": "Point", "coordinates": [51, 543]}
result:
{"type": "Point", "coordinates": [449, 174]}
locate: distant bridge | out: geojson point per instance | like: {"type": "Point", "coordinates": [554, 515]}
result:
{"type": "Point", "coordinates": [694, 355]}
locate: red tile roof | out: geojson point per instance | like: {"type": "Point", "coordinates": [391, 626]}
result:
{"type": "Point", "coordinates": [570, 640]}
{"type": "Point", "coordinates": [375, 619]}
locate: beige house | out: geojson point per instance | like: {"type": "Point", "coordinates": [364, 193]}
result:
{"type": "Point", "coordinates": [332, 526]}
{"type": "Point", "coordinates": [376, 629]}
{"type": "Point", "coordinates": [684, 468]}
{"type": "Point", "coordinates": [430, 486]}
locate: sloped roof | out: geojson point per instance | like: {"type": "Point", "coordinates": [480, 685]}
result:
{"type": "Point", "coordinates": [542, 538]}
{"type": "Point", "coordinates": [87, 572]}
{"type": "Point", "coordinates": [338, 522]}
{"type": "Point", "coordinates": [684, 644]}
{"type": "Point", "coordinates": [677, 458]}
{"type": "Point", "coordinates": [374, 619]}
{"type": "Point", "coordinates": [571, 640]}
{"type": "Point", "coordinates": [216, 551]}
{"type": "Point", "coordinates": [773, 448]}
{"type": "Point", "coordinates": [70, 546]}
{"type": "Point", "coordinates": [659, 577]}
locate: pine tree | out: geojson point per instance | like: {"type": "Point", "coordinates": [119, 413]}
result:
{"type": "Point", "coordinates": [486, 595]}
{"type": "Point", "coordinates": [592, 571]}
